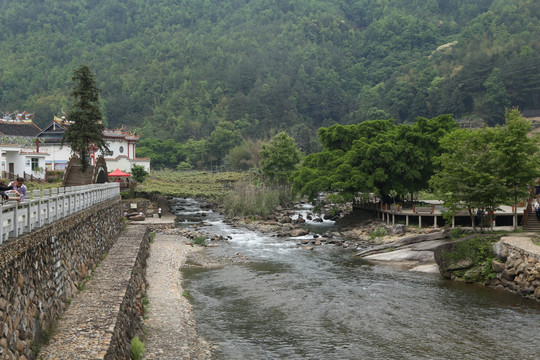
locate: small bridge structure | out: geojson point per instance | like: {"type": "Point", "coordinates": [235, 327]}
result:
{"type": "Point", "coordinates": [42, 207]}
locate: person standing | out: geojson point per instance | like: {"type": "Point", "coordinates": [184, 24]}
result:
{"type": "Point", "coordinates": [159, 212]}
{"type": "Point", "coordinates": [19, 187]}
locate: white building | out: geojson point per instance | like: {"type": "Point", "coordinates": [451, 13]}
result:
{"type": "Point", "coordinates": [121, 143]}
{"type": "Point", "coordinates": [121, 153]}
{"type": "Point", "coordinates": [18, 151]}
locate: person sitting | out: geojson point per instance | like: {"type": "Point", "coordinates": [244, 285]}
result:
{"type": "Point", "coordinates": [19, 187]}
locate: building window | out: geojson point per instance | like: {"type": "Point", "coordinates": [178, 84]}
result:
{"type": "Point", "coordinates": [35, 164]}
{"type": "Point", "coordinates": [121, 149]}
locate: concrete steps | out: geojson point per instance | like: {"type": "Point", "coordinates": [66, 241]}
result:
{"type": "Point", "coordinates": [532, 224]}
{"type": "Point", "coordinates": [76, 177]}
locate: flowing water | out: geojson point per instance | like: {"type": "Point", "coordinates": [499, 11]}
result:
{"type": "Point", "coordinates": [290, 303]}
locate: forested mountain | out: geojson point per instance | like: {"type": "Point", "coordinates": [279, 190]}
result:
{"type": "Point", "coordinates": [210, 74]}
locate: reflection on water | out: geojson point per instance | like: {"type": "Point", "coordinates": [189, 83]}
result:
{"type": "Point", "coordinates": [288, 303]}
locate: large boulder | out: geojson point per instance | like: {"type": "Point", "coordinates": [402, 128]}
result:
{"type": "Point", "coordinates": [399, 229]}
{"type": "Point", "coordinates": [298, 232]}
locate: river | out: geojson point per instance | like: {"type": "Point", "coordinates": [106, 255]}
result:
{"type": "Point", "coordinates": [285, 302]}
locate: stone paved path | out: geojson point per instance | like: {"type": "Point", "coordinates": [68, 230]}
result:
{"type": "Point", "coordinates": [170, 324]}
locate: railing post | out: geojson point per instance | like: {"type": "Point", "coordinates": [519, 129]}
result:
{"type": "Point", "coordinates": [54, 204]}
{"type": "Point", "coordinates": [2, 223]}
{"type": "Point", "coordinates": [15, 232]}
{"type": "Point", "coordinates": [27, 204]}
{"type": "Point", "coordinates": [37, 196]}
{"type": "Point", "coordinates": [47, 199]}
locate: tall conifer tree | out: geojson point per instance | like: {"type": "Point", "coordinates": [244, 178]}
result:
{"type": "Point", "coordinates": [85, 127]}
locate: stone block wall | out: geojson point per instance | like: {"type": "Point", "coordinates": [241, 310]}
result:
{"type": "Point", "coordinates": [129, 320]}
{"type": "Point", "coordinates": [40, 272]}
{"type": "Point", "coordinates": [143, 205]}
{"type": "Point", "coordinates": [517, 270]}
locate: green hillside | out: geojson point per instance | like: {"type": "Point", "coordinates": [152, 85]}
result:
{"type": "Point", "coordinates": [229, 70]}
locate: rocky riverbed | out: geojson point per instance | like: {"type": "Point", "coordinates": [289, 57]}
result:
{"type": "Point", "coordinates": [359, 231]}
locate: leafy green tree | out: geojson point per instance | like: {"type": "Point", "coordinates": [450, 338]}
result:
{"type": "Point", "coordinates": [519, 154]}
{"type": "Point", "coordinates": [245, 156]}
{"type": "Point", "coordinates": [138, 173]}
{"type": "Point", "coordinates": [223, 139]}
{"type": "Point", "coordinates": [487, 167]}
{"type": "Point", "coordinates": [85, 128]}
{"type": "Point", "coordinates": [279, 158]}
{"type": "Point", "coordinates": [469, 172]}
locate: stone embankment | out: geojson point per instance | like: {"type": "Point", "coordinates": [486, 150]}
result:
{"type": "Point", "coordinates": [517, 266]}
{"type": "Point", "coordinates": [40, 273]}
{"type": "Point", "coordinates": [108, 313]}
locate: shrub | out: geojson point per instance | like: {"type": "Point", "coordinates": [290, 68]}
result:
{"type": "Point", "coordinates": [378, 232]}
{"type": "Point", "coordinates": [200, 240]}
{"type": "Point", "coordinates": [137, 348]}
{"type": "Point", "coordinates": [138, 173]}
{"type": "Point", "coordinates": [456, 233]}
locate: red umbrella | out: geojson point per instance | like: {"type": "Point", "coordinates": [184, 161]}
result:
{"type": "Point", "coordinates": [119, 173]}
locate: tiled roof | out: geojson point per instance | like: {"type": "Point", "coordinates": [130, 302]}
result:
{"type": "Point", "coordinates": [19, 128]}
{"type": "Point", "coordinates": [531, 113]}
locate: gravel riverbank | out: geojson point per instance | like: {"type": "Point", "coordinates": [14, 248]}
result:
{"type": "Point", "coordinates": [170, 322]}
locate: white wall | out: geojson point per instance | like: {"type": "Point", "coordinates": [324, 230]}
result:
{"type": "Point", "coordinates": [57, 155]}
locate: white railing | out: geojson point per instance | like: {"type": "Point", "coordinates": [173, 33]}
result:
{"type": "Point", "coordinates": [43, 207]}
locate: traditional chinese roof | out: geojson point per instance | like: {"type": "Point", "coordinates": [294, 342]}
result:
{"type": "Point", "coordinates": [19, 128]}
{"type": "Point", "coordinates": [121, 133]}
{"type": "Point", "coordinates": [54, 130]}
{"type": "Point", "coordinates": [531, 113]}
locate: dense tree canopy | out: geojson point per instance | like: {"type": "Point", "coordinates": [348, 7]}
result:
{"type": "Point", "coordinates": [373, 156]}
{"type": "Point", "coordinates": [178, 69]}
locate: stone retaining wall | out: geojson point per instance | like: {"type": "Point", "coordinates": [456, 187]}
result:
{"type": "Point", "coordinates": [517, 270]}
{"type": "Point", "coordinates": [40, 272]}
{"type": "Point", "coordinates": [129, 320]}
{"type": "Point", "coordinates": [103, 319]}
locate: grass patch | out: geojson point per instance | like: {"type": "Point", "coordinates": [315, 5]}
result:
{"type": "Point", "coordinates": [378, 232]}
{"type": "Point", "coordinates": [45, 332]}
{"type": "Point", "coordinates": [199, 240]}
{"type": "Point", "coordinates": [81, 285]}
{"type": "Point", "coordinates": [186, 294]}
{"type": "Point", "coordinates": [251, 200]}
{"type": "Point", "coordinates": [199, 184]}
{"type": "Point", "coordinates": [152, 237]}
{"type": "Point", "coordinates": [425, 195]}
{"type": "Point", "coordinates": [137, 348]}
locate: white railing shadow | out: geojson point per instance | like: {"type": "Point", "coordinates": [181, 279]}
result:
{"type": "Point", "coordinates": [43, 207]}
